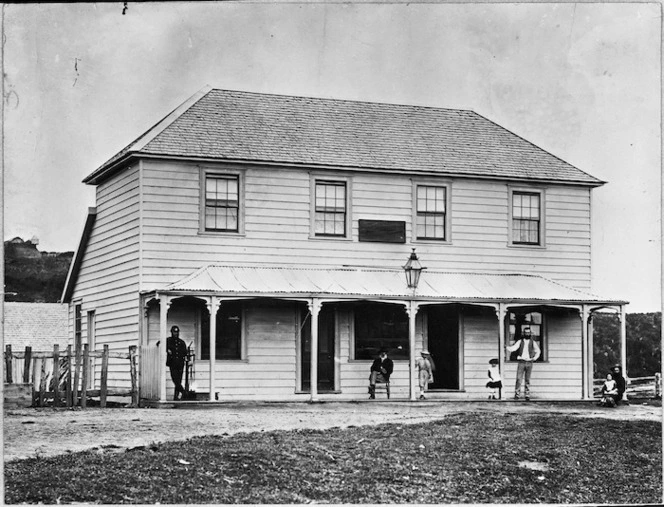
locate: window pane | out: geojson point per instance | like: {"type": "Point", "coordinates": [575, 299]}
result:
{"type": "Point", "coordinates": [380, 326]}
{"type": "Point", "coordinates": [228, 341]}
{"type": "Point", "coordinates": [330, 218]}
{"type": "Point", "coordinates": [430, 219]}
{"type": "Point", "coordinates": [518, 322]}
{"type": "Point", "coordinates": [319, 224]}
{"type": "Point", "coordinates": [221, 203]}
{"type": "Point", "coordinates": [210, 218]}
{"type": "Point", "coordinates": [525, 215]}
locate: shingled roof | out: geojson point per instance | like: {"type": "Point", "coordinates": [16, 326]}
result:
{"type": "Point", "coordinates": [243, 126]}
{"type": "Point", "coordinates": [38, 325]}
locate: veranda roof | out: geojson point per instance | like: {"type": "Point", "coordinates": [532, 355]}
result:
{"type": "Point", "coordinates": [348, 283]}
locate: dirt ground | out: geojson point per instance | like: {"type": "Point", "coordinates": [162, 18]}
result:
{"type": "Point", "coordinates": [42, 432]}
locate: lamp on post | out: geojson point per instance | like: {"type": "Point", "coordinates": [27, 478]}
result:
{"type": "Point", "coordinates": [413, 270]}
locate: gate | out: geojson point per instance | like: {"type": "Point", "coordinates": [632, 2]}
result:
{"type": "Point", "coordinates": [150, 372]}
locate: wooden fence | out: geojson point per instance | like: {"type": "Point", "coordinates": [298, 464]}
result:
{"type": "Point", "coordinates": [66, 379]}
{"type": "Point", "coordinates": [639, 387]}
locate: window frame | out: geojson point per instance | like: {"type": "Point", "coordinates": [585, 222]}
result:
{"type": "Point", "coordinates": [78, 323]}
{"type": "Point", "coordinates": [206, 172]}
{"type": "Point", "coordinates": [543, 336]}
{"type": "Point", "coordinates": [524, 190]}
{"type": "Point", "coordinates": [315, 179]}
{"type": "Point", "coordinates": [353, 331]}
{"type": "Point", "coordinates": [447, 186]}
{"type": "Point", "coordinates": [242, 345]}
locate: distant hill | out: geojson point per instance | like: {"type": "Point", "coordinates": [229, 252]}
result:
{"type": "Point", "coordinates": [34, 276]}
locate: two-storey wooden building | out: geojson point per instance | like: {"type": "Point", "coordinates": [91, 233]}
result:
{"type": "Point", "coordinates": [274, 230]}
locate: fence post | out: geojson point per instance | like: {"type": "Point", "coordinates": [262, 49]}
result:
{"type": "Point", "coordinates": [56, 375]}
{"type": "Point", "coordinates": [8, 363]}
{"type": "Point", "coordinates": [104, 377]}
{"type": "Point", "coordinates": [84, 378]}
{"type": "Point", "coordinates": [34, 382]}
{"type": "Point", "coordinates": [68, 392]}
{"type": "Point", "coordinates": [77, 372]}
{"type": "Point", "coordinates": [134, 376]}
{"type": "Point", "coordinates": [26, 364]}
{"type": "Point", "coordinates": [42, 382]}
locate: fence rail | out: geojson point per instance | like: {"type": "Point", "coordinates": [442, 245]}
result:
{"type": "Point", "coordinates": [639, 387]}
{"type": "Point", "coordinates": [50, 374]}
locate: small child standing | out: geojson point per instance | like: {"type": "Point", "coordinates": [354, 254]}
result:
{"type": "Point", "coordinates": [495, 382]}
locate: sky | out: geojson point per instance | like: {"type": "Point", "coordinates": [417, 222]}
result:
{"type": "Point", "coordinates": [582, 81]}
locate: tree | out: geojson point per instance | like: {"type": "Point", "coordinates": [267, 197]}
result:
{"type": "Point", "coordinates": [643, 337]}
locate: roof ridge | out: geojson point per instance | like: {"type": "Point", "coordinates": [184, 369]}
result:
{"type": "Point", "coordinates": [332, 99]}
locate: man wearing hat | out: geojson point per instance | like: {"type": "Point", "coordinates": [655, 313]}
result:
{"type": "Point", "coordinates": [425, 370]}
{"type": "Point", "coordinates": [381, 369]}
{"type": "Point", "coordinates": [176, 355]}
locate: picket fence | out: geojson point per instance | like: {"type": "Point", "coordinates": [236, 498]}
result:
{"type": "Point", "coordinates": [68, 379]}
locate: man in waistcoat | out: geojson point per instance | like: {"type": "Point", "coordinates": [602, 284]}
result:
{"type": "Point", "coordinates": [528, 353]}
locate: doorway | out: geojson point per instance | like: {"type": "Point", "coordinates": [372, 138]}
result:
{"type": "Point", "coordinates": [443, 333]}
{"type": "Point", "coordinates": [326, 350]}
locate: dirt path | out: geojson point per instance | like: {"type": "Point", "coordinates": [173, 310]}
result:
{"type": "Point", "coordinates": [48, 432]}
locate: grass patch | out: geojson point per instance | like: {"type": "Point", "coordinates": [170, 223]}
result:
{"type": "Point", "coordinates": [468, 458]}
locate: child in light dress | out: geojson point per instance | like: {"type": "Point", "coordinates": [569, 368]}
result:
{"type": "Point", "coordinates": [425, 369]}
{"type": "Point", "coordinates": [609, 392]}
{"type": "Point", "coordinates": [495, 382]}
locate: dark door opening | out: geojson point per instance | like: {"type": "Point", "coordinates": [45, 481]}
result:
{"type": "Point", "coordinates": [326, 351]}
{"type": "Point", "coordinates": [443, 329]}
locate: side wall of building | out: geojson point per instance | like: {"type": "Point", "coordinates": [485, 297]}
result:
{"type": "Point", "coordinates": [107, 283]}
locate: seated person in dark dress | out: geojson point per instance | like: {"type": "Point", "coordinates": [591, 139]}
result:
{"type": "Point", "coordinates": [621, 383]}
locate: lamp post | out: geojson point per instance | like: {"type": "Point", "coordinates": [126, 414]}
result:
{"type": "Point", "coordinates": [413, 270]}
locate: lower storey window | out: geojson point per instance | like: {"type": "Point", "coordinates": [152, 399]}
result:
{"type": "Point", "coordinates": [381, 326]}
{"type": "Point", "coordinates": [228, 341]}
{"type": "Point", "coordinates": [518, 321]}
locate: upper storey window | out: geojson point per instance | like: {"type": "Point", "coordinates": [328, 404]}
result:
{"type": "Point", "coordinates": [431, 212]}
{"type": "Point", "coordinates": [526, 218]}
{"type": "Point", "coordinates": [222, 202]}
{"type": "Point", "coordinates": [330, 208]}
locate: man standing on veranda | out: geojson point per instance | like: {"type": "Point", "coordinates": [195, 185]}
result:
{"type": "Point", "coordinates": [528, 353]}
{"type": "Point", "coordinates": [176, 356]}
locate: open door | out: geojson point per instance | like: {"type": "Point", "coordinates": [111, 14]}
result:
{"type": "Point", "coordinates": [443, 331]}
{"type": "Point", "coordinates": [326, 350]}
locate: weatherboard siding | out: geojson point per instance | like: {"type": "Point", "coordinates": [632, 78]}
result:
{"type": "Point", "coordinates": [270, 368]}
{"type": "Point", "coordinates": [108, 278]}
{"type": "Point", "coordinates": [277, 226]}
{"type": "Point", "coordinates": [559, 377]}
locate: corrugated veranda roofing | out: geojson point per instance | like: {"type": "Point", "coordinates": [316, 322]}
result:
{"type": "Point", "coordinates": [347, 282]}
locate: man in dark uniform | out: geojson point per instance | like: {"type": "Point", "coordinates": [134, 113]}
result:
{"type": "Point", "coordinates": [381, 369]}
{"type": "Point", "coordinates": [176, 355]}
